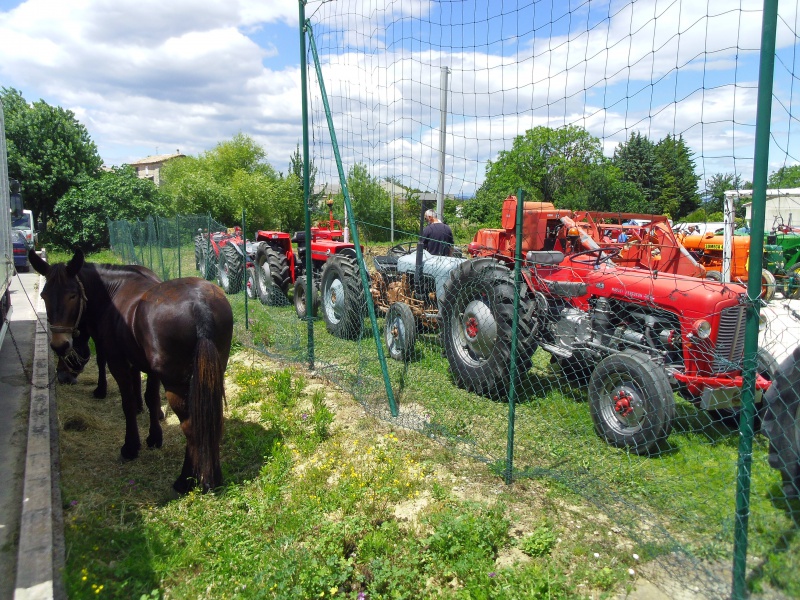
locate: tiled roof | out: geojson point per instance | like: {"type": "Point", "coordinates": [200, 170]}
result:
{"type": "Point", "coordinates": [158, 158]}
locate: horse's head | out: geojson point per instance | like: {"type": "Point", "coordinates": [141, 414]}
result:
{"type": "Point", "coordinates": [64, 299]}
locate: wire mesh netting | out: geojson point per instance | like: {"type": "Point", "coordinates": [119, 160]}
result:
{"type": "Point", "coordinates": [591, 336]}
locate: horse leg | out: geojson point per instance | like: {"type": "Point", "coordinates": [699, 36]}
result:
{"type": "Point", "coordinates": [102, 384]}
{"type": "Point", "coordinates": [129, 381]}
{"type": "Point", "coordinates": [152, 396]}
{"type": "Point", "coordinates": [187, 479]}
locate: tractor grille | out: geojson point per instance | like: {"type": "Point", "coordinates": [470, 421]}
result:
{"type": "Point", "coordinates": [730, 339]}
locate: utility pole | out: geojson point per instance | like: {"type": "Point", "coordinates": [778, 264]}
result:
{"type": "Point", "coordinates": [442, 142]}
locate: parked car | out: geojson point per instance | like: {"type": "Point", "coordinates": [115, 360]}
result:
{"type": "Point", "coordinates": [26, 225]}
{"type": "Point", "coordinates": [20, 245]}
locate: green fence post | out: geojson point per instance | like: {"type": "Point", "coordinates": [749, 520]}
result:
{"type": "Point", "coordinates": [244, 273]}
{"type": "Point", "coordinates": [160, 241]}
{"type": "Point", "coordinates": [306, 184]}
{"type": "Point", "coordinates": [512, 390]}
{"type": "Point", "coordinates": [760, 169]}
{"type": "Point", "coordinates": [343, 182]}
{"type": "Point", "coordinates": [178, 241]}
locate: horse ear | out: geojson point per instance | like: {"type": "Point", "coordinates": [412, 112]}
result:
{"type": "Point", "coordinates": [75, 264]}
{"type": "Point", "coordinates": [38, 263]}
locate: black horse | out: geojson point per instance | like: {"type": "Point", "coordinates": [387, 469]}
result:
{"type": "Point", "coordinates": [72, 364]}
{"type": "Point", "coordinates": [177, 332]}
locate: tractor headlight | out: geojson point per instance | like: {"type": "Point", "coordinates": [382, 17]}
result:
{"type": "Point", "coordinates": [702, 329]}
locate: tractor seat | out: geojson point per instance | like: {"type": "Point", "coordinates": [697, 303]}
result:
{"type": "Point", "coordinates": [566, 289]}
{"type": "Point", "coordinates": [544, 257]}
{"type": "Point", "coordinates": [299, 238]}
{"type": "Point", "coordinates": [385, 264]}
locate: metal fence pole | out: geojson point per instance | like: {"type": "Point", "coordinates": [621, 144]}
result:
{"type": "Point", "coordinates": [244, 269]}
{"type": "Point", "coordinates": [349, 208]}
{"type": "Point", "coordinates": [512, 390]}
{"type": "Point", "coordinates": [310, 291]}
{"type": "Point", "coordinates": [760, 169]}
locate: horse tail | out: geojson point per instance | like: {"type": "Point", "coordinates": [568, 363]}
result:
{"type": "Point", "coordinates": [206, 393]}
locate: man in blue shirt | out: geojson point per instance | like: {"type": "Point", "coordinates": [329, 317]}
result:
{"type": "Point", "coordinates": [437, 237]}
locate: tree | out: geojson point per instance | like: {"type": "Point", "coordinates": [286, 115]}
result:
{"type": "Point", "coordinates": [678, 194]}
{"type": "Point", "coordinates": [715, 188]}
{"type": "Point", "coordinates": [80, 216]}
{"type": "Point", "coordinates": [371, 203]}
{"type": "Point", "coordinates": [636, 159]}
{"type": "Point", "coordinates": [552, 165]}
{"type": "Point", "coordinates": [49, 151]}
{"type": "Point", "coordinates": [296, 169]}
{"type": "Point", "coordinates": [785, 177]}
{"type": "Point", "coordinates": [232, 177]}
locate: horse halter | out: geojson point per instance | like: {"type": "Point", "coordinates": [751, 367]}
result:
{"type": "Point", "coordinates": [82, 301]}
{"type": "Point", "coordinates": [73, 361]}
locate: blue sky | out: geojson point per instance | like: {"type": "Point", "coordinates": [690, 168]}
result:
{"type": "Point", "coordinates": [149, 78]}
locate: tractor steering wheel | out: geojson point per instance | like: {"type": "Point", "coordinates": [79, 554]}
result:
{"type": "Point", "coordinates": [402, 249]}
{"type": "Point", "coordinates": [610, 252]}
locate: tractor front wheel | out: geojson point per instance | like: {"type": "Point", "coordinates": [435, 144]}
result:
{"type": "Point", "coordinates": [272, 276]}
{"type": "Point", "coordinates": [251, 283]}
{"type": "Point", "coordinates": [631, 402]}
{"type": "Point", "coordinates": [767, 285]}
{"type": "Point", "coordinates": [343, 301]}
{"type": "Point", "coordinates": [477, 321]}
{"type": "Point", "coordinates": [300, 306]}
{"type": "Point", "coordinates": [792, 286]}
{"type": "Point", "coordinates": [400, 331]}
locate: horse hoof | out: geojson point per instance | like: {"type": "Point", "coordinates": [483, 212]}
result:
{"type": "Point", "coordinates": [155, 441]}
{"type": "Point", "coordinates": [128, 454]}
{"type": "Point", "coordinates": [99, 394]}
{"type": "Point", "coordinates": [67, 379]}
{"type": "Point", "coordinates": [182, 485]}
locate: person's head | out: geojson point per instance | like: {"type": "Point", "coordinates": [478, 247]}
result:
{"type": "Point", "coordinates": [430, 216]}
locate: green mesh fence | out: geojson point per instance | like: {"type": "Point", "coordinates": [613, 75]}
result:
{"type": "Point", "coordinates": [579, 337]}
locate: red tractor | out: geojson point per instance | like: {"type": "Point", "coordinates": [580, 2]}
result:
{"type": "Point", "coordinates": [636, 335]}
{"type": "Point", "coordinates": [221, 256]}
{"type": "Point", "coordinates": [334, 276]}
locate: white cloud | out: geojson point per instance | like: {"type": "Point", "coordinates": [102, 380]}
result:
{"type": "Point", "coordinates": [147, 76]}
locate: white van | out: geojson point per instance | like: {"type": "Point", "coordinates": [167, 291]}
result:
{"type": "Point", "coordinates": [26, 225]}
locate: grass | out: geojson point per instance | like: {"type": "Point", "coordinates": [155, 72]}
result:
{"type": "Point", "coordinates": [321, 499]}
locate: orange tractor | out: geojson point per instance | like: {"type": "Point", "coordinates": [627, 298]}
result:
{"type": "Point", "coordinates": [644, 241]}
{"type": "Point", "coordinates": [708, 248]}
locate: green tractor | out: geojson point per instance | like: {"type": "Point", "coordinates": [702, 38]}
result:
{"type": "Point", "coordinates": [782, 259]}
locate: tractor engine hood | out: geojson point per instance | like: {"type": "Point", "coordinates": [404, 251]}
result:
{"type": "Point", "coordinates": [436, 267]}
{"type": "Point", "coordinates": [681, 294]}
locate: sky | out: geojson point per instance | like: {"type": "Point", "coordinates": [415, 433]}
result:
{"type": "Point", "coordinates": [150, 78]}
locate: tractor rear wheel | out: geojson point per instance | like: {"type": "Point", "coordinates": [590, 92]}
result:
{"type": "Point", "coordinates": [477, 319]}
{"type": "Point", "coordinates": [272, 276]}
{"type": "Point", "coordinates": [782, 423]}
{"type": "Point", "coordinates": [400, 331]}
{"type": "Point", "coordinates": [231, 269]}
{"type": "Point", "coordinates": [300, 298]}
{"type": "Point", "coordinates": [631, 402]}
{"type": "Point", "coordinates": [203, 254]}
{"type": "Point", "coordinates": [343, 301]}
{"type": "Point", "coordinates": [767, 285]}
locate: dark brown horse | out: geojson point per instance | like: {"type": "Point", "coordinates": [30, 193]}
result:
{"type": "Point", "coordinates": [177, 332]}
